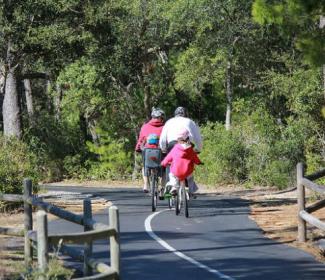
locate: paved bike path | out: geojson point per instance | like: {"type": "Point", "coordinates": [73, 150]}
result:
{"type": "Point", "coordinates": [218, 235]}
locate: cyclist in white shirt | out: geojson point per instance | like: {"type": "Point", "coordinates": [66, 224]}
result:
{"type": "Point", "coordinates": [168, 136]}
{"type": "Point", "coordinates": [170, 132]}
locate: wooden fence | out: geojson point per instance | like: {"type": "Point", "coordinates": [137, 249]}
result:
{"type": "Point", "coordinates": [41, 240]}
{"type": "Point", "coordinates": [304, 213]}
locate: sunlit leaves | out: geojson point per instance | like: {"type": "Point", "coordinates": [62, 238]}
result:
{"type": "Point", "coordinates": [81, 83]}
{"type": "Point", "coordinates": [298, 18]}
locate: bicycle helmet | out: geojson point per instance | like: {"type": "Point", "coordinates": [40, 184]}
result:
{"type": "Point", "coordinates": [153, 139]}
{"type": "Point", "coordinates": [180, 111]}
{"type": "Point", "coordinates": [157, 113]}
{"type": "Point", "coordinates": [183, 134]}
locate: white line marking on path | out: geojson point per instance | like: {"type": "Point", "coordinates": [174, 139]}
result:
{"type": "Point", "coordinates": [147, 225]}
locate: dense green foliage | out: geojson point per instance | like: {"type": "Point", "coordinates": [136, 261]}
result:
{"type": "Point", "coordinates": [16, 163]}
{"type": "Point", "coordinates": [97, 67]}
{"type": "Point", "coordinates": [299, 19]}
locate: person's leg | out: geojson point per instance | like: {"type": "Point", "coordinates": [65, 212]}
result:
{"type": "Point", "coordinates": [163, 177]}
{"type": "Point", "coordinates": [173, 180]}
{"type": "Point", "coordinates": [192, 186]}
{"type": "Point", "coordinates": [145, 174]}
{"type": "Point", "coordinates": [162, 182]}
{"type": "Point", "coordinates": [174, 183]}
{"type": "Point", "coordinates": [145, 180]}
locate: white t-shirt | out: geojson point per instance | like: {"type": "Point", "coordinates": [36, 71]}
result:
{"type": "Point", "coordinates": [176, 124]}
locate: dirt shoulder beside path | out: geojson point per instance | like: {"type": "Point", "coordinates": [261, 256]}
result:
{"type": "Point", "coordinates": [276, 214]}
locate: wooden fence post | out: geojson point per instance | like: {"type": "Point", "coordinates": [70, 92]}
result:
{"type": "Point", "coordinates": [87, 211]}
{"type": "Point", "coordinates": [42, 243]}
{"type": "Point", "coordinates": [115, 240]}
{"type": "Point", "coordinates": [28, 222]}
{"type": "Point", "coordinates": [302, 232]}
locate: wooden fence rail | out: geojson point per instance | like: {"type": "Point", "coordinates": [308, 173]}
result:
{"type": "Point", "coordinates": [43, 241]}
{"type": "Point", "coordinates": [304, 213]}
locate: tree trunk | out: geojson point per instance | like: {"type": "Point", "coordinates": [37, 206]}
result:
{"type": "Point", "coordinates": [91, 124]}
{"type": "Point", "coordinates": [137, 165]}
{"type": "Point", "coordinates": [10, 107]}
{"type": "Point", "coordinates": [29, 101]}
{"type": "Point", "coordinates": [83, 127]}
{"type": "Point", "coordinates": [146, 92]}
{"type": "Point", "coordinates": [321, 25]}
{"type": "Point", "coordinates": [47, 89]}
{"type": "Point", "coordinates": [146, 101]}
{"type": "Point", "coordinates": [57, 102]}
{"type": "Point", "coordinates": [2, 81]}
{"type": "Point", "coordinates": [229, 94]}
{"type": "Point", "coordinates": [2, 91]}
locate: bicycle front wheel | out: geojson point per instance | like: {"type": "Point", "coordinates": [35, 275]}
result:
{"type": "Point", "coordinates": [178, 201]}
{"type": "Point", "coordinates": [185, 201]}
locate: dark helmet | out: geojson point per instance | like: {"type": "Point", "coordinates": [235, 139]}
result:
{"type": "Point", "coordinates": [157, 113]}
{"type": "Point", "coordinates": [180, 111]}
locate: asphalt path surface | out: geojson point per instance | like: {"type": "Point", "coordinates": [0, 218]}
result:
{"type": "Point", "coordinates": [217, 241]}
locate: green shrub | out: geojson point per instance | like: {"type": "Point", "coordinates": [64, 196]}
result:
{"type": "Point", "coordinates": [315, 159]}
{"type": "Point", "coordinates": [16, 163]}
{"type": "Point", "coordinates": [55, 271]}
{"type": "Point", "coordinates": [274, 149]}
{"type": "Point", "coordinates": [113, 161]}
{"type": "Point", "coordinates": [257, 150]}
{"type": "Point", "coordinates": [74, 166]}
{"type": "Point", "coordinates": [223, 155]}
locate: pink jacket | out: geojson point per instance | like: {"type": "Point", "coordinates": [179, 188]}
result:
{"type": "Point", "coordinates": [153, 126]}
{"type": "Point", "coordinates": [182, 161]}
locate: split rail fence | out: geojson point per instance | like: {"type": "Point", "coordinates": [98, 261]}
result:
{"type": "Point", "coordinates": [42, 241]}
{"type": "Point", "coordinates": [304, 213]}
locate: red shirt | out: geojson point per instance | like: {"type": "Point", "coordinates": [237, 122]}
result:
{"type": "Point", "coordinates": [182, 159]}
{"type": "Point", "coordinates": [153, 126]}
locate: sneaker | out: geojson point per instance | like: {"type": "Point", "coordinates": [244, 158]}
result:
{"type": "Point", "coordinates": [173, 191]}
{"type": "Point", "coordinates": [145, 190]}
{"type": "Point", "coordinates": [161, 194]}
{"type": "Point", "coordinates": [192, 195]}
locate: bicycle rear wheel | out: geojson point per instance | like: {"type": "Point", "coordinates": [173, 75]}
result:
{"type": "Point", "coordinates": [185, 201]}
{"type": "Point", "coordinates": [154, 192]}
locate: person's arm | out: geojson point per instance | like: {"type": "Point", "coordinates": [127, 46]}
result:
{"type": "Point", "coordinates": [163, 139]}
{"type": "Point", "coordinates": [167, 160]}
{"type": "Point", "coordinates": [196, 135]}
{"type": "Point", "coordinates": [195, 158]}
{"type": "Point", "coordinates": [140, 140]}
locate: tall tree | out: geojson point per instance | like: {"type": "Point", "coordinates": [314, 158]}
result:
{"type": "Point", "coordinates": [31, 32]}
{"type": "Point", "coordinates": [222, 31]}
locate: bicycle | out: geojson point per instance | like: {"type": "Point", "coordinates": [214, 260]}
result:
{"type": "Point", "coordinates": [152, 159]}
{"type": "Point", "coordinates": [182, 198]}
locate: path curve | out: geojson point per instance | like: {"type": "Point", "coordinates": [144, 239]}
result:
{"type": "Point", "coordinates": [218, 234]}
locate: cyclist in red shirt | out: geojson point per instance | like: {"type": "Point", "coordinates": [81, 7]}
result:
{"type": "Point", "coordinates": [151, 128]}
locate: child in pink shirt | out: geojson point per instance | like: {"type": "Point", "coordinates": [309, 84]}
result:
{"type": "Point", "coordinates": [182, 159]}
